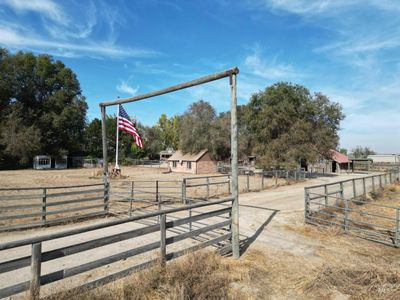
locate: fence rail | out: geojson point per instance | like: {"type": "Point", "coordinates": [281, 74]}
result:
{"type": "Point", "coordinates": [34, 207]}
{"type": "Point", "coordinates": [346, 204]}
{"type": "Point", "coordinates": [220, 229]}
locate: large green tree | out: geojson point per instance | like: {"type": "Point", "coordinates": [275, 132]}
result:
{"type": "Point", "coordinates": [288, 124]}
{"type": "Point", "coordinates": [43, 97]}
{"type": "Point", "coordinates": [362, 152]}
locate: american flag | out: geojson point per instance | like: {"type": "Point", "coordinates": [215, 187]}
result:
{"type": "Point", "coordinates": [125, 124]}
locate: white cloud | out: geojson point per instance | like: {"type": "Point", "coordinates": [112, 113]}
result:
{"type": "Point", "coordinates": [270, 69]}
{"type": "Point", "coordinates": [125, 88]}
{"type": "Point", "coordinates": [46, 8]}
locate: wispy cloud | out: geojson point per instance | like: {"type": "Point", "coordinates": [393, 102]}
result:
{"type": "Point", "coordinates": [125, 88]}
{"type": "Point", "coordinates": [65, 34]}
{"type": "Point", "coordinates": [270, 69]}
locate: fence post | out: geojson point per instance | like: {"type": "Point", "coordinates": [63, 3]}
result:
{"type": "Point", "coordinates": [364, 187]}
{"type": "Point", "coordinates": [326, 194]}
{"type": "Point", "coordinates": [262, 180]}
{"type": "Point", "coordinates": [229, 185]}
{"type": "Point", "coordinates": [190, 214]}
{"type": "Point", "coordinates": [276, 178]}
{"type": "Point", "coordinates": [157, 191]}
{"type": "Point", "coordinates": [380, 180]}
{"type": "Point", "coordinates": [163, 238]}
{"type": "Point", "coordinates": [208, 187]}
{"type": "Point", "coordinates": [44, 203]}
{"type": "Point", "coordinates": [346, 215]}
{"type": "Point", "coordinates": [373, 184]}
{"type": "Point", "coordinates": [385, 179]}
{"type": "Point", "coordinates": [106, 195]}
{"type": "Point", "coordinates": [295, 175]}
{"type": "Point", "coordinates": [341, 190]}
{"type": "Point", "coordinates": [248, 182]}
{"type": "Point", "coordinates": [396, 234]}
{"type": "Point", "coordinates": [390, 177]}
{"type": "Point", "coordinates": [132, 195]}
{"type": "Point", "coordinates": [184, 191]}
{"type": "Point", "coordinates": [306, 204]}
{"type": "Point", "coordinates": [354, 189]}
{"type": "Point", "coordinates": [36, 264]}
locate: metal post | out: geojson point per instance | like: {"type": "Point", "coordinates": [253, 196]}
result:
{"type": "Point", "coordinates": [229, 184]}
{"type": "Point", "coordinates": [306, 204]}
{"type": "Point", "coordinates": [276, 178]}
{"type": "Point", "coordinates": [380, 180]}
{"type": "Point", "coordinates": [364, 187]}
{"type": "Point", "coordinates": [234, 168]}
{"type": "Point", "coordinates": [248, 182]}
{"type": "Point", "coordinates": [208, 187]}
{"type": "Point", "coordinates": [132, 195]}
{"type": "Point", "coordinates": [190, 214]}
{"type": "Point", "coordinates": [36, 264]}
{"type": "Point", "coordinates": [44, 200]}
{"type": "Point", "coordinates": [390, 177]}
{"type": "Point", "coordinates": [341, 190]}
{"type": "Point", "coordinates": [157, 191]}
{"type": "Point", "coordinates": [184, 191]}
{"type": "Point", "coordinates": [354, 189]}
{"type": "Point", "coordinates": [163, 238]}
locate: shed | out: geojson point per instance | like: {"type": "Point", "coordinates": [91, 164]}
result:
{"type": "Point", "coordinates": [197, 163]}
{"type": "Point", "coordinates": [385, 158]}
{"type": "Point", "coordinates": [340, 161]}
{"type": "Point", "coordinates": [165, 154]}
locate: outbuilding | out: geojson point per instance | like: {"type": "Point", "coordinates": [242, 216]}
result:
{"type": "Point", "coordinates": [198, 163]}
{"type": "Point", "coordinates": [385, 158]}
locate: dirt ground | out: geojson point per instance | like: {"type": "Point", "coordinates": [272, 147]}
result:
{"type": "Point", "coordinates": [282, 258]}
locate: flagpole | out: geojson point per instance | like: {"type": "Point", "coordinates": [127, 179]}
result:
{"type": "Point", "coordinates": [116, 148]}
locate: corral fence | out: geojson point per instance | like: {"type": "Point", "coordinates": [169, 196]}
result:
{"type": "Point", "coordinates": [34, 207]}
{"type": "Point", "coordinates": [349, 204]}
{"type": "Point", "coordinates": [150, 163]}
{"type": "Point", "coordinates": [140, 196]}
{"type": "Point", "coordinates": [209, 226]}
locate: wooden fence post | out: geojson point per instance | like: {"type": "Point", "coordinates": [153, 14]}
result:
{"type": "Point", "coordinates": [36, 263]}
{"type": "Point", "coordinates": [276, 178]}
{"type": "Point", "coordinates": [106, 195]}
{"type": "Point", "coordinates": [157, 191]}
{"type": "Point", "coordinates": [44, 203]}
{"type": "Point", "coordinates": [132, 195]}
{"type": "Point", "coordinates": [306, 204]}
{"type": "Point", "coordinates": [341, 190]}
{"type": "Point", "coordinates": [373, 184]}
{"type": "Point", "coordinates": [364, 186]}
{"type": "Point", "coordinates": [262, 180]}
{"type": "Point", "coordinates": [190, 215]}
{"type": "Point", "coordinates": [248, 182]}
{"type": "Point", "coordinates": [184, 191]}
{"type": "Point", "coordinates": [380, 181]}
{"type": "Point", "coordinates": [229, 184]}
{"type": "Point", "coordinates": [354, 189]}
{"type": "Point", "coordinates": [163, 239]}
{"type": "Point", "coordinates": [396, 239]}
{"type": "Point", "coordinates": [346, 215]}
{"type": "Point", "coordinates": [208, 188]}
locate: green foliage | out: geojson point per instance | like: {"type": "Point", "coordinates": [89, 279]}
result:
{"type": "Point", "coordinates": [44, 99]}
{"type": "Point", "coordinates": [288, 124]}
{"type": "Point", "coordinates": [362, 152]}
{"type": "Point", "coordinates": [343, 151]}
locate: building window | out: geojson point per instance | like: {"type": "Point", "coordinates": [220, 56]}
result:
{"type": "Point", "coordinates": [174, 164]}
{"type": "Point", "coordinates": [189, 165]}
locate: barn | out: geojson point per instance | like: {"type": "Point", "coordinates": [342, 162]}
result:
{"type": "Point", "coordinates": [193, 163]}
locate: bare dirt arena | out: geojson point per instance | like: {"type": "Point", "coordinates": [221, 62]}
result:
{"type": "Point", "coordinates": [283, 258]}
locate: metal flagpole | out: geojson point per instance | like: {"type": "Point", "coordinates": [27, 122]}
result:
{"type": "Point", "coordinates": [116, 148]}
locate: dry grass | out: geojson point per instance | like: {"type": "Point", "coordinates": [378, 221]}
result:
{"type": "Point", "coordinates": [201, 275]}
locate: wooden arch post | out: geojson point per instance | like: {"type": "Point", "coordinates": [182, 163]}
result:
{"type": "Point", "coordinates": [232, 74]}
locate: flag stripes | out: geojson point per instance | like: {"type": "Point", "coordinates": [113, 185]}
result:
{"type": "Point", "coordinates": [126, 125]}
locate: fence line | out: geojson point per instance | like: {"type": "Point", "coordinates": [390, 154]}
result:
{"type": "Point", "coordinates": [37, 256]}
{"type": "Point", "coordinates": [34, 207]}
{"type": "Point", "coordinates": [345, 204]}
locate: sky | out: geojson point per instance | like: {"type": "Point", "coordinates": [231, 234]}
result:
{"type": "Point", "coordinates": [348, 50]}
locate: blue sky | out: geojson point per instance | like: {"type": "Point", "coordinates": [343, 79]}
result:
{"type": "Point", "coordinates": [346, 49]}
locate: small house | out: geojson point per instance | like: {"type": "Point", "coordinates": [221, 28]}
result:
{"type": "Point", "coordinates": [42, 162]}
{"type": "Point", "coordinates": [340, 161]}
{"type": "Point", "coordinates": [198, 163]}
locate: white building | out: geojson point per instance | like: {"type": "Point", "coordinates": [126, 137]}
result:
{"type": "Point", "coordinates": [385, 158]}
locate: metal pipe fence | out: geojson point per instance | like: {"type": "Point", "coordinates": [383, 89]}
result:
{"type": "Point", "coordinates": [150, 163]}
{"type": "Point", "coordinates": [22, 208]}
{"type": "Point", "coordinates": [209, 230]}
{"type": "Point", "coordinates": [346, 204]}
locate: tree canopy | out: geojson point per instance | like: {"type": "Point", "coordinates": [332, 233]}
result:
{"type": "Point", "coordinates": [42, 108]}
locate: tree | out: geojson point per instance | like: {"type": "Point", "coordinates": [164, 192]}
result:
{"type": "Point", "coordinates": [362, 152]}
{"type": "Point", "coordinates": [45, 98]}
{"type": "Point", "coordinates": [343, 151]}
{"type": "Point", "coordinates": [288, 124]}
{"type": "Point", "coordinates": [195, 132]}
{"type": "Point", "coordinates": [169, 135]}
